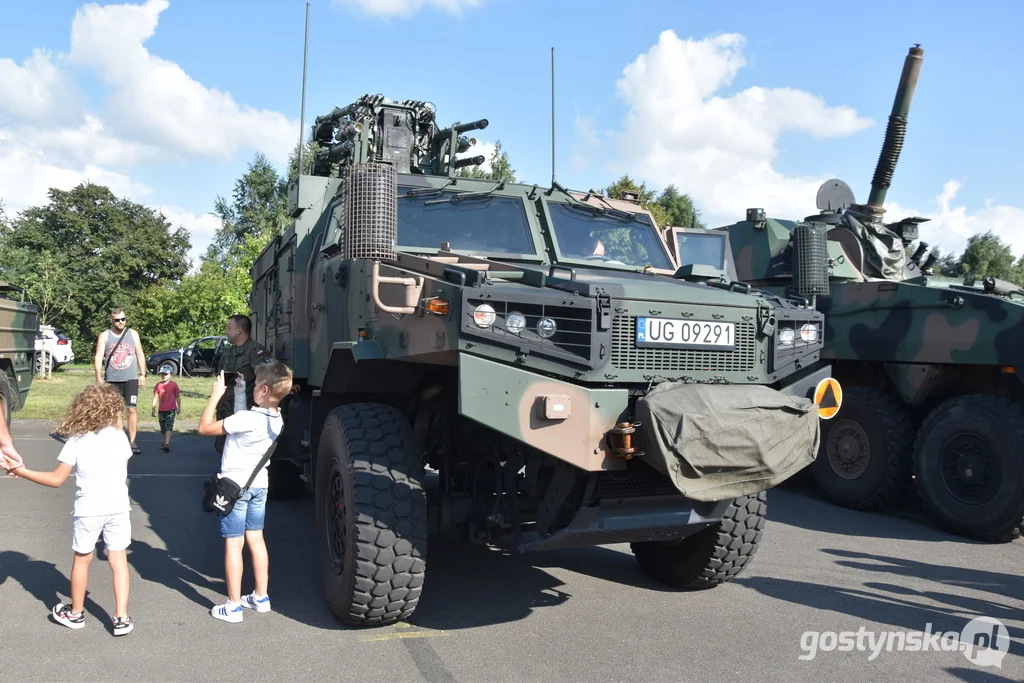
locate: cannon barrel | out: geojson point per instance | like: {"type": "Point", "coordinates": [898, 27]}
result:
{"type": "Point", "coordinates": [469, 161]}
{"type": "Point", "coordinates": [336, 114]}
{"type": "Point", "coordinates": [897, 127]}
{"type": "Point", "coordinates": [461, 128]}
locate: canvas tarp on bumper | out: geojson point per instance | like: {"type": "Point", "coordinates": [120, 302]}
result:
{"type": "Point", "coordinates": [720, 442]}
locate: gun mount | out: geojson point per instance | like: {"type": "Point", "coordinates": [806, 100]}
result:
{"type": "Point", "coordinates": [405, 134]}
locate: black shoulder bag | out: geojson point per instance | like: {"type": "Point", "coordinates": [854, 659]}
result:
{"type": "Point", "coordinates": [220, 493]}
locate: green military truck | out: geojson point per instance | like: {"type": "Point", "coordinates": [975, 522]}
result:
{"type": "Point", "coordinates": [933, 367]}
{"type": "Point", "coordinates": [509, 363]}
{"type": "Point", "coordinates": [19, 326]}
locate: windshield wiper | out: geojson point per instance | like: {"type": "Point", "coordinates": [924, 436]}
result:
{"type": "Point", "coordinates": [463, 196]}
{"type": "Point", "coordinates": [617, 214]}
{"type": "Point", "coordinates": [426, 191]}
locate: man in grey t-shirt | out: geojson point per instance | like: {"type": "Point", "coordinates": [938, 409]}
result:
{"type": "Point", "coordinates": [120, 360]}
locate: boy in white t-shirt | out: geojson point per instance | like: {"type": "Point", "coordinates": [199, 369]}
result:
{"type": "Point", "coordinates": [249, 433]}
{"type": "Point", "coordinates": [98, 449]}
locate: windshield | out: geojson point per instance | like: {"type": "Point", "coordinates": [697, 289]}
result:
{"type": "Point", "coordinates": [492, 224]}
{"type": "Point", "coordinates": [697, 249]}
{"type": "Point", "coordinates": [607, 238]}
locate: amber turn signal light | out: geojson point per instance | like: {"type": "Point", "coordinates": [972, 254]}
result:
{"type": "Point", "coordinates": [437, 306]}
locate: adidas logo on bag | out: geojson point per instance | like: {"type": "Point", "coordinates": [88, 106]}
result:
{"type": "Point", "coordinates": [220, 502]}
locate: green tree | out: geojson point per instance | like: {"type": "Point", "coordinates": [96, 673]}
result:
{"type": "Point", "coordinates": [987, 255]}
{"type": "Point", "coordinates": [105, 249]}
{"type": "Point", "coordinates": [679, 209]}
{"type": "Point", "coordinates": [946, 265]}
{"type": "Point", "coordinates": [620, 187]}
{"type": "Point", "coordinates": [501, 167]}
{"type": "Point", "coordinates": [258, 207]}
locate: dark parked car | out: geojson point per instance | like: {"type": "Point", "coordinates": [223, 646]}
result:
{"type": "Point", "coordinates": [198, 357]}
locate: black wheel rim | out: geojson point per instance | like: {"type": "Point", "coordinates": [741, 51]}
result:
{"type": "Point", "coordinates": [970, 468]}
{"type": "Point", "coordinates": [337, 515]}
{"type": "Point", "coordinates": [848, 449]}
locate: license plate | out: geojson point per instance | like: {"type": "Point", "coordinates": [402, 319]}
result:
{"type": "Point", "coordinates": [670, 333]}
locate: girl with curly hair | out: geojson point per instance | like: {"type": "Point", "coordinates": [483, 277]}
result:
{"type": "Point", "coordinates": [98, 448]}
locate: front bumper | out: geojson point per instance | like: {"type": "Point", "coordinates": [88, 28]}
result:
{"type": "Point", "coordinates": [635, 520]}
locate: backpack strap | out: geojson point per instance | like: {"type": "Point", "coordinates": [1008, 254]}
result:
{"type": "Point", "coordinates": [263, 460]}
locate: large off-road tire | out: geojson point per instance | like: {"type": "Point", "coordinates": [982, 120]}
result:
{"type": "Point", "coordinates": [969, 467]}
{"type": "Point", "coordinates": [371, 515]}
{"type": "Point", "coordinates": [864, 461]}
{"type": "Point", "coordinates": [712, 556]}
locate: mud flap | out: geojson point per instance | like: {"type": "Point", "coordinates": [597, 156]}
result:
{"type": "Point", "coordinates": [721, 442]}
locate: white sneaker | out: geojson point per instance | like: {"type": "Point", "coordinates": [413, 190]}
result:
{"type": "Point", "coordinates": [250, 601]}
{"type": "Point", "coordinates": [227, 613]}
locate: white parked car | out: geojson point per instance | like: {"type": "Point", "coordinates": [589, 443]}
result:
{"type": "Point", "coordinates": [52, 347]}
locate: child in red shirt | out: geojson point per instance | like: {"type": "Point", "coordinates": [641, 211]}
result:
{"type": "Point", "coordinates": [167, 399]}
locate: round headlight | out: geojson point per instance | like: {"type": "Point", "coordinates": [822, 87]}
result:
{"type": "Point", "coordinates": [484, 315]}
{"type": "Point", "coordinates": [546, 328]}
{"type": "Point", "coordinates": [787, 335]}
{"type": "Point", "coordinates": [515, 322]}
{"type": "Point", "coordinates": [809, 333]}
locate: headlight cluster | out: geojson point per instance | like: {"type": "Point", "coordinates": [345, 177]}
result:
{"type": "Point", "coordinates": [808, 333]}
{"type": "Point", "coordinates": [484, 316]}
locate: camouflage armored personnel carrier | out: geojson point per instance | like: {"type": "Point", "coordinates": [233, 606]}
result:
{"type": "Point", "coordinates": [931, 366]}
{"type": "Point", "coordinates": [19, 325]}
{"type": "Point", "coordinates": [503, 361]}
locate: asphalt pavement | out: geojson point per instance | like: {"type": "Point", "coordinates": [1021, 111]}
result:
{"type": "Point", "coordinates": [823, 577]}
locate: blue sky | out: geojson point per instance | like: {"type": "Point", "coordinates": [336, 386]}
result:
{"type": "Point", "coordinates": [738, 103]}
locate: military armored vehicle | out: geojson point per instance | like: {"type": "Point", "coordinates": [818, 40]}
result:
{"type": "Point", "coordinates": [19, 325]}
{"type": "Point", "coordinates": [508, 363]}
{"type": "Point", "coordinates": [931, 366]}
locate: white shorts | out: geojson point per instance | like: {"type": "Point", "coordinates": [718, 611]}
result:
{"type": "Point", "coordinates": [116, 530]}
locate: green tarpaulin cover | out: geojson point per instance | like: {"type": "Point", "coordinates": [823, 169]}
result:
{"type": "Point", "coordinates": [719, 442]}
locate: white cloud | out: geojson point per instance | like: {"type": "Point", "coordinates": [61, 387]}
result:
{"type": "Point", "coordinates": [51, 137]}
{"type": "Point", "coordinates": [719, 149]}
{"type": "Point", "coordinates": [950, 226]}
{"type": "Point", "coordinates": [406, 8]}
{"type": "Point", "coordinates": [156, 100]}
{"type": "Point", "coordinates": [37, 90]}
{"type": "Point", "coordinates": [27, 173]}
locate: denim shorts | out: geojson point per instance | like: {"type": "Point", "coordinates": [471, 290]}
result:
{"type": "Point", "coordinates": [247, 515]}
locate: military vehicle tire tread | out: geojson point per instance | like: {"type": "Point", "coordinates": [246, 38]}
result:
{"type": "Point", "coordinates": [711, 556]}
{"type": "Point", "coordinates": [974, 409]}
{"type": "Point", "coordinates": [895, 428]}
{"type": "Point", "coordinates": [368, 451]}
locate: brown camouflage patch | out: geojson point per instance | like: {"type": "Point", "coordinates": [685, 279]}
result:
{"type": "Point", "coordinates": [941, 338]}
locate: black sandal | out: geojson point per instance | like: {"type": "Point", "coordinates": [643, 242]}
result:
{"type": "Point", "coordinates": [136, 450]}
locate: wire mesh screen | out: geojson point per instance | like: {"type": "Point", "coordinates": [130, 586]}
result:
{"type": "Point", "coordinates": [811, 242]}
{"type": "Point", "coordinates": [369, 225]}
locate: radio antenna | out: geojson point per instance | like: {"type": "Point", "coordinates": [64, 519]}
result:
{"type": "Point", "coordinates": [302, 116]}
{"type": "Point", "coordinates": [552, 116]}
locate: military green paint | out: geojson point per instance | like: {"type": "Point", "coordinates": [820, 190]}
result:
{"type": "Point", "coordinates": [510, 400]}
{"type": "Point", "coordinates": [19, 325]}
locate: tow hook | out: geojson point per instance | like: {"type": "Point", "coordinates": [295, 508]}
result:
{"type": "Point", "coordinates": [620, 440]}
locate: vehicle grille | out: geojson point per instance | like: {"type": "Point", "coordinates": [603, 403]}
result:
{"type": "Point", "coordinates": [638, 480]}
{"type": "Point", "coordinates": [625, 355]}
{"type": "Point", "coordinates": [574, 326]}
